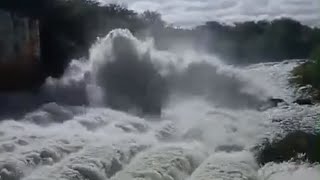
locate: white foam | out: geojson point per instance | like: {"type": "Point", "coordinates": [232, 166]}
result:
{"type": "Point", "coordinates": [226, 166]}
{"type": "Point", "coordinates": [167, 163]}
{"type": "Point", "coordinates": [290, 171]}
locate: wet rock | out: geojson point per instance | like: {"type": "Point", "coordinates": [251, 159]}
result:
{"type": "Point", "coordinates": [276, 101]}
{"type": "Point", "coordinates": [290, 147]}
{"type": "Point", "coordinates": [271, 103]}
{"type": "Point", "coordinates": [307, 101]}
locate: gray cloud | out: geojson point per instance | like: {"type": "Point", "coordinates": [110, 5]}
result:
{"type": "Point", "coordinates": [188, 13]}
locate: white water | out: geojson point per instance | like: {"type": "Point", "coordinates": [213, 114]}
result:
{"type": "Point", "coordinates": [195, 139]}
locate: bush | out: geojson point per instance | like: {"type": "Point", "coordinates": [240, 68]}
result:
{"type": "Point", "coordinates": [309, 73]}
{"type": "Point", "coordinates": [289, 148]}
{"type": "Point", "coordinates": [316, 67]}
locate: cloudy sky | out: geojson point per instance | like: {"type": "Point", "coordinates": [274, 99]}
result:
{"type": "Point", "coordinates": [188, 13]}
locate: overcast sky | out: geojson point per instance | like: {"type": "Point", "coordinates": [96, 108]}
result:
{"type": "Point", "coordinates": [188, 13]}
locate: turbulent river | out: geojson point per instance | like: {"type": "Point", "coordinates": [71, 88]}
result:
{"type": "Point", "coordinates": [198, 136]}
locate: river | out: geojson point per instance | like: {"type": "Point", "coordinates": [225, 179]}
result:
{"type": "Point", "coordinates": [196, 137]}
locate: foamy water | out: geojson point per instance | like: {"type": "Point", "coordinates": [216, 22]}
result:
{"type": "Point", "coordinates": [194, 139]}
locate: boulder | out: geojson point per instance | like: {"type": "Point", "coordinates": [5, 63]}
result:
{"type": "Point", "coordinates": [307, 101]}
{"type": "Point", "coordinates": [276, 100]}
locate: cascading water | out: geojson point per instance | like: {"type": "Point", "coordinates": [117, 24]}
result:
{"type": "Point", "coordinates": [208, 127]}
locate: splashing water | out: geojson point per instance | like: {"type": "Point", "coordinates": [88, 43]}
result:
{"type": "Point", "coordinates": [72, 133]}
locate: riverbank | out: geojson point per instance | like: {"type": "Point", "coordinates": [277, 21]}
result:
{"type": "Point", "coordinates": [306, 77]}
{"type": "Point", "coordinates": [298, 145]}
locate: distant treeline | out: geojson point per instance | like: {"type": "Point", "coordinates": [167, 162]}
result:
{"type": "Point", "coordinates": [262, 41]}
{"type": "Point", "coordinates": [69, 27]}
{"type": "Point", "coordinates": [246, 42]}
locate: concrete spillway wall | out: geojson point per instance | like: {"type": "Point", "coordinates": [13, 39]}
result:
{"type": "Point", "coordinates": [19, 37]}
{"type": "Point", "coordinates": [19, 51]}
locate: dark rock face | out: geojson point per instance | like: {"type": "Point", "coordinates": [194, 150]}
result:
{"type": "Point", "coordinates": [304, 101]}
{"type": "Point", "coordinates": [290, 147]}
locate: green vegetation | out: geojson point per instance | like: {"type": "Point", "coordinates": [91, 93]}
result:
{"type": "Point", "coordinates": [289, 148]}
{"type": "Point", "coordinates": [251, 42]}
{"type": "Point", "coordinates": [309, 73]}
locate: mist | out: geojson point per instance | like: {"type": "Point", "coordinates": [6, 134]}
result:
{"type": "Point", "coordinates": [131, 75]}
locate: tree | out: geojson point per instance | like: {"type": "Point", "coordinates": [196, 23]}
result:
{"type": "Point", "coordinates": [153, 19]}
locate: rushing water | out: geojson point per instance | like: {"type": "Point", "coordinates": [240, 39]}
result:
{"type": "Point", "coordinates": [196, 138]}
